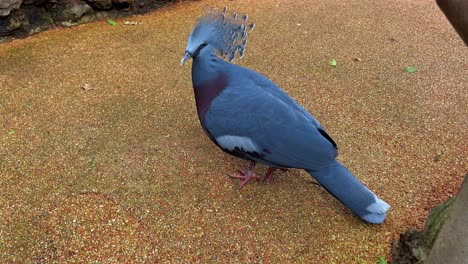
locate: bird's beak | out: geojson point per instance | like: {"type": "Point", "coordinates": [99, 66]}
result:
{"type": "Point", "coordinates": [185, 58]}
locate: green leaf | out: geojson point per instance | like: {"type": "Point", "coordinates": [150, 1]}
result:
{"type": "Point", "coordinates": [411, 69]}
{"type": "Point", "coordinates": [382, 260]}
{"type": "Point", "coordinates": [333, 62]}
{"type": "Point", "coordinates": [112, 22]}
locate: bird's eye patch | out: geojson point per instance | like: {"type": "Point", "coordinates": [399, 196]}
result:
{"type": "Point", "coordinates": [202, 46]}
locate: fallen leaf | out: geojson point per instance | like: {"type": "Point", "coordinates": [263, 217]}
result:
{"type": "Point", "coordinates": [357, 59]}
{"type": "Point", "coordinates": [86, 87]}
{"type": "Point", "coordinates": [382, 260]}
{"type": "Point", "coordinates": [112, 22]}
{"type": "Point", "coordinates": [411, 69]}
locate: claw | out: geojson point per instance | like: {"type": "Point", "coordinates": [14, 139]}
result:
{"type": "Point", "coordinates": [247, 175]}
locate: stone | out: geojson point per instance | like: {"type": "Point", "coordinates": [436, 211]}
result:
{"type": "Point", "coordinates": [37, 2]}
{"type": "Point", "coordinates": [444, 238]}
{"type": "Point", "coordinates": [25, 21]}
{"type": "Point", "coordinates": [6, 6]}
{"type": "Point", "coordinates": [17, 20]}
{"type": "Point", "coordinates": [67, 13]}
{"type": "Point", "coordinates": [101, 4]}
{"type": "Point", "coordinates": [122, 4]}
{"type": "Point", "coordinates": [20, 18]}
{"type": "Point", "coordinates": [414, 246]}
{"type": "Point", "coordinates": [451, 241]}
{"type": "Point", "coordinates": [456, 12]}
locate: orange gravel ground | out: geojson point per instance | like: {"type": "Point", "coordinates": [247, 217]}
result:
{"type": "Point", "coordinates": [122, 173]}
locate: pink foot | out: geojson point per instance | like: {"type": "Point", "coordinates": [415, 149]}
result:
{"type": "Point", "coordinates": [245, 177]}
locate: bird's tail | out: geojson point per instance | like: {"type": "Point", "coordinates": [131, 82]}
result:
{"type": "Point", "coordinates": [338, 181]}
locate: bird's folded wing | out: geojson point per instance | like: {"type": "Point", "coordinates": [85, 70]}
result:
{"type": "Point", "coordinates": [281, 134]}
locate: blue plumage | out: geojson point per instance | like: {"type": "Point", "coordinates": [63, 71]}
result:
{"type": "Point", "coordinates": [249, 116]}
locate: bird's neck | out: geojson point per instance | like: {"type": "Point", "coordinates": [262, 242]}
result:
{"type": "Point", "coordinates": [209, 79]}
{"type": "Point", "coordinates": [206, 66]}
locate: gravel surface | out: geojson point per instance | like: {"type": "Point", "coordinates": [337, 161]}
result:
{"type": "Point", "coordinates": [102, 157]}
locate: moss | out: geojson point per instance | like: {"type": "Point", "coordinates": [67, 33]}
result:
{"type": "Point", "coordinates": [435, 221]}
{"type": "Point", "coordinates": [46, 16]}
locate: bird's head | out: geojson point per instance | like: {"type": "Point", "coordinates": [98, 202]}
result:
{"type": "Point", "coordinates": [226, 33]}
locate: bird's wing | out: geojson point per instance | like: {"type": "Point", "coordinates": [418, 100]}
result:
{"type": "Point", "coordinates": [271, 129]}
{"type": "Point", "coordinates": [270, 87]}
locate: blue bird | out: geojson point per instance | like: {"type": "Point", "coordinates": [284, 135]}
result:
{"type": "Point", "coordinates": [248, 116]}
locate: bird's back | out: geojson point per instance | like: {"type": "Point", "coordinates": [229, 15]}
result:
{"type": "Point", "coordinates": [259, 81]}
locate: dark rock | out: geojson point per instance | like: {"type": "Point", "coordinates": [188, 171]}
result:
{"type": "Point", "coordinates": [6, 6]}
{"type": "Point", "coordinates": [414, 246]}
{"type": "Point", "coordinates": [22, 18]}
{"type": "Point", "coordinates": [109, 4]}
{"type": "Point", "coordinates": [67, 13]}
{"type": "Point", "coordinates": [25, 21]}
{"type": "Point", "coordinates": [37, 2]}
{"type": "Point", "coordinates": [17, 20]}
{"type": "Point", "coordinates": [123, 4]}
{"type": "Point", "coordinates": [407, 249]}
{"type": "Point", "coordinates": [100, 4]}
{"type": "Point", "coordinates": [451, 244]}
{"type": "Point", "coordinates": [456, 12]}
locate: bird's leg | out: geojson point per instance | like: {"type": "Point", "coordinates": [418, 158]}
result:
{"type": "Point", "coordinates": [269, 174]}
{"type": "Point", "coordinates": [247, 175]}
